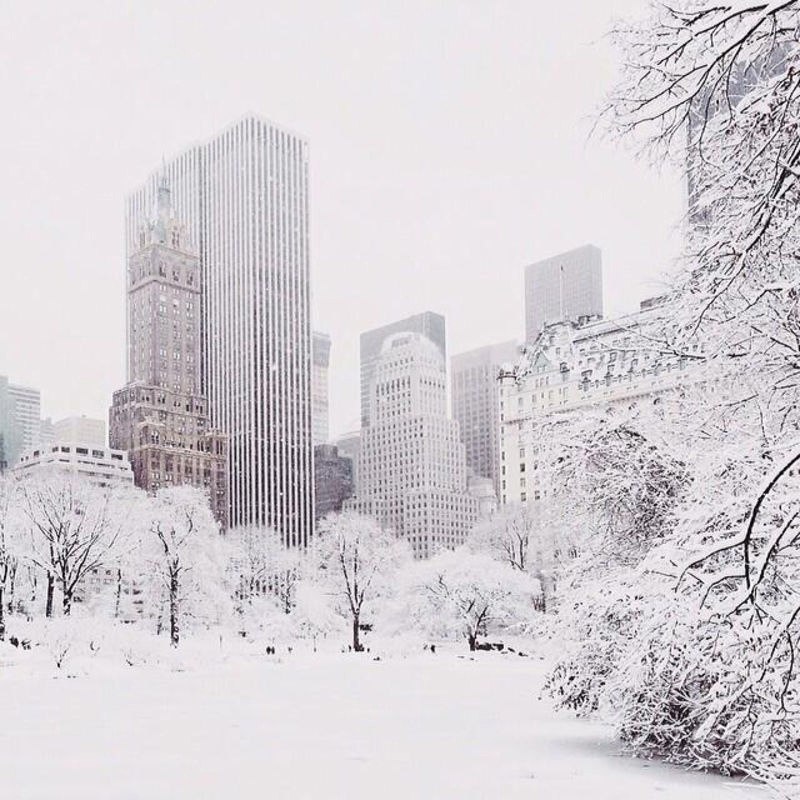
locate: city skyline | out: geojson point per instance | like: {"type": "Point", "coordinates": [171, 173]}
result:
{"type": "Point", "coordinates": [444, 218]}
{"type": "Point", "coordinates": [243, 197]}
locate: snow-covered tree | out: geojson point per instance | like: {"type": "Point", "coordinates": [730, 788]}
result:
{"type": "Point", "coordinates": [356, 560]}
{"type": "Point", "coordinates": [76, 529]}
{"type": "Point", "coordinates": [264, 574]}
{"type": "Point", "coordinates": [461, 594]}
{"type": "Point", "coordinates": [509, 535]}
{"type": "Point", "coordinates": [12, 548]}
{"type": "Point", "coordinates": [714, 87]}
{"type": "Point", "coordinates": [185, 554]}
{"type": "Point", "coordinates": [518, 535]}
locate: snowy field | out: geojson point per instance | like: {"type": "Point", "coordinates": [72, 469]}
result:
{"type": "Point", "coordinates": [316, 726]}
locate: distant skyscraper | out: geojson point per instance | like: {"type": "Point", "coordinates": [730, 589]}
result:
{"type": "Point", "coordinates": [428, 323]}
{"type": "Point", "coordinates": [47, 432]}
{"type": "Point", "coordinates": [321, 351]}
{"type": "Point", "coordinates": [79, 429]}
{"type": "Point", "coordinates": [412, 471]}
{"type": "Point", "coordinates": [244, 198]}
{"type": "Point", "coordinates": [475, 397]}
{"type": "Point", "coordinates": [333, 479]}
{"type": "Point", "coordinates": [564, 287]}
{"type": "Point", "coordinates": [20, 420]}
{"type": "Point", "coordinates": [349, 446]}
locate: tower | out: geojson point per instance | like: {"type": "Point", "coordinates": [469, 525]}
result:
{"type": "Point", "coordinates": [243, 196]}
{"type": "Point", "coordinates": [428, 323]}
{"type": "Point", "coordinates": [160, 417]}
{"type": "Point", "coordinates": [412, 471]}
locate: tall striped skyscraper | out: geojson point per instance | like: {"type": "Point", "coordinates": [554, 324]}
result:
{"type": "Point", "coordinates": [243, 196]}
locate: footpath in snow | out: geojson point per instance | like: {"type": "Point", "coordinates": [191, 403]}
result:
{"type": "Point", "coordinates": [317, 726]}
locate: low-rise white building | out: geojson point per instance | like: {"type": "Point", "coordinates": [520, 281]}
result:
{"type": "Point", "coordinates": [572, 365]}
{"type": "Point", "coordinates": [102, 464]}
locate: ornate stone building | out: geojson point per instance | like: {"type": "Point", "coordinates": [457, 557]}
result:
{"type": "Point", "coordinates": [160, 417]}
{"type": "Point", "coordinates": [570, 368]}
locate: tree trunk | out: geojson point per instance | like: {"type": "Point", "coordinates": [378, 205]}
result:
{"type": "Point", "coordinates": [173, 609]}
{"type": "Point", "coordinates": [12, 585]}
{"type": "Point", "coordinates": [48, 612]}
{"type": "Point", "coordinates": [119, 594]}
{"type": "Point", "coordinates": [66, 603]}
{"type": "Point", "coordinates": [2, 615]}
{"type": "Point", "coordinates": [356, 640]}
{"type": "Point", "coordinates": [473, 641]}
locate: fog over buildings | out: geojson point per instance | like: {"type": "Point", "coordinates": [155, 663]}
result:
{"type": "Point", "coordinates": [443, 160]}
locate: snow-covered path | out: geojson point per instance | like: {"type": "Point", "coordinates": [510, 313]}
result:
{"type": "Point", "coordinates": [332, 726]}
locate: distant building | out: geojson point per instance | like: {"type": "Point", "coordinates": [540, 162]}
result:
{"type": "Point", "coordinates": [320, 355]}
{"type": "Point", "coordinates": [482, 489]}
{"type": "Point", "coordinates": [80, 429]}
{"type": "Point", "coordinates": [568, 368]}
{"type": "Point", "coordinates": [349, 446]}
{"type": "Point", "coordinates": [744, 77]}
{"type": "Point", "coordinates": [47, 432]}
{"type": "Point", "coordinates": [412, 471]}
{"type": "Point", "coordinates": [20, 420]}
{"type": "Point", "coordinates": [160, 417]}
{"type": "Point", "coordinates": [244, 198]}
{"type": "Point", "coordinates": [333, 479]}
{"type": "Point", "coordinates": [101, 464]}
{"type": "Point", "coordinates": [565, 287]}
{"type": "Point", "coordinates": [428, 323]}
{"type": "Point", "coordinates": [475, 399]}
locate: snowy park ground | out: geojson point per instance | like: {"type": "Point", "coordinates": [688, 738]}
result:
{"type": "Point", "coordinates": [306, 725]}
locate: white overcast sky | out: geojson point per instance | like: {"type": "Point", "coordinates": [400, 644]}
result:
{"type": "Point", "coordinates": [448, 149]}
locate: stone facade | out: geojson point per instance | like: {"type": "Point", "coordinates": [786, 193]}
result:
{"type": "Point", "coordinates": [428, 323]}
{"type": "Point", "coordinates": [160, 417]}
{"type": "Point", "coordinates": [569, 367]}
{"type": "Point", "coordinates": [412, 474]}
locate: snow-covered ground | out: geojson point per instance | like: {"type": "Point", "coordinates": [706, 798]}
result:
{"type": "Point", "coordinates": [316, 726]}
